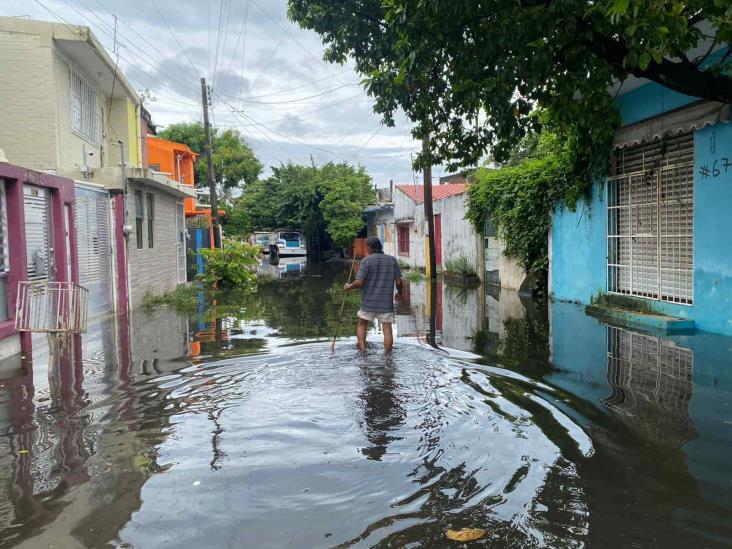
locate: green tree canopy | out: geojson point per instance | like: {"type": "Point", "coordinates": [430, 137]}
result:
{"type": "Point", "coordinates": [469, 73]}
{"type": "Point", "coordinates": [328, 198]}
{"type": "Point", "coordinates": [233, 159]}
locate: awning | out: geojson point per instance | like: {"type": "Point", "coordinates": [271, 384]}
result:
{"type": "Point", "coordinates": [692, 117]}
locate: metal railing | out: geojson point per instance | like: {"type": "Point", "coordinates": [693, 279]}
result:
{"type": "Point", "coordinates": [51, 307]}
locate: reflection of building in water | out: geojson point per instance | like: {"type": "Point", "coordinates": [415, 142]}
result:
{"type": "Point", "coordinates": [285, 267]}
{"type": "Point", "coordinates": [159, 342]}
{"type": "Point", "coordinates": [651, 383]}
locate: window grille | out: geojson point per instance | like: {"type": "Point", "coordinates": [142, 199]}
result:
{"type": "Point", "coordinates": [650, 214]}
{"type": "Point", "coordinates": [138, 219]}
{"type": "Point", "coordinates": [85, 118]}
{"type": "Point", "coordinates": [92, 234]}
{"type": "Point", "coordinates": [403, 239]}
{"type": "Point", "coordinates": [150, 220]}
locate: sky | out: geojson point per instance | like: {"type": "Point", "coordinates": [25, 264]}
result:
{"type": "Point", "coordinates": [268, 77]}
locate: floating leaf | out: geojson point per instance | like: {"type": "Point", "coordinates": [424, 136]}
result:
{"type": "Point", "coordinates": [465, 534]}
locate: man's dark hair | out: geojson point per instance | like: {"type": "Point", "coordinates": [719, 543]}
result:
{"type": "Point", "coordinates": [374, 244]}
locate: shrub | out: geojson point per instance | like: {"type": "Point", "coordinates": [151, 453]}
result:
{"type": "Point", "coordinates": [233, 264]}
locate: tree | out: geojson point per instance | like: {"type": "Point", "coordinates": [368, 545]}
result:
{"type": "Point", "coordinates": [470, 73]}
{"type": "Point", "coordinates": [328, 199]}
{"type": "Point", "coordinates": [233, 159]}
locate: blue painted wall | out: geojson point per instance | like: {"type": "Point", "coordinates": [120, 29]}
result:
{"type": "Point", "coordinates": [579, 249]}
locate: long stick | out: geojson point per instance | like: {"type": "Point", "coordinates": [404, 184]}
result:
{"type": "Point", "coordinates": [343, 304]}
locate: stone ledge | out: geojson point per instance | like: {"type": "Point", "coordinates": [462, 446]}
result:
{"type": "Point", "coordinates": [636, 319]}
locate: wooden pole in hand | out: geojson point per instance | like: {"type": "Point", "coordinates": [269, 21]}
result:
{"type": "Point", "coordinates": [343, 304]}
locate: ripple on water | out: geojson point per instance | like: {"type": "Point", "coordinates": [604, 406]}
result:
{"type": "Point", "coordinates": [302, 448]}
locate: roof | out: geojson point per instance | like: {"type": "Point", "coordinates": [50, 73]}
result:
{"type": "Point", "coordinates": [416, 192]}
{"type": "Point", "coordinates": [172, 145]}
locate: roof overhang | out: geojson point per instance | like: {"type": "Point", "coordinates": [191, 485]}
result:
{"type": "Point", "coordinates": [159, 182]}
{"type": "Point", "coordinates": [84, 50]}
{"type": "Point", "coordinates": [682, 120]}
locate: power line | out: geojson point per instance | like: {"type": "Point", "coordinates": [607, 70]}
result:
{"type": "Point", "coordinates": [183, 51]}
{"type": "Point", "coordinates": [288, 101]}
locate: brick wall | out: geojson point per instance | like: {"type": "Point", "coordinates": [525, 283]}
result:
{"type": "Point", "coordinates": [153, 270]}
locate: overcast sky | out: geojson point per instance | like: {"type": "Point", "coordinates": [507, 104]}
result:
{"type": "Point", "coordinates": [268, 76]}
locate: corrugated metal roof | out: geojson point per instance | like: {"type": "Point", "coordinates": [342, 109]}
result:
{"type": "Point", "coordinates": [416, 192]}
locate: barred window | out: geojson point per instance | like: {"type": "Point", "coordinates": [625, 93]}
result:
{"type": "Point", "coordinates": [403, 239]}
{"type": "Point", "coordinates": [650, 222]}
{"type": "Point", "coordinates": [139, 213]}
{"type": "Point", "coordinates": [85, 118]}
{"type": "Point", "coordinates": [150, 220]}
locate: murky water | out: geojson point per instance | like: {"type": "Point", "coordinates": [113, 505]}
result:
{"type": "Point", "coordinates": [235, 426]}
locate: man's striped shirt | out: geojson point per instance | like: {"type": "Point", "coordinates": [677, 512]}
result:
{"type": "Point", "coordinates": [378, 271]}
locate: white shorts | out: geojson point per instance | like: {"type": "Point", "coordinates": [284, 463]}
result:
{"type": "Point", "coordinates": [386, 318]}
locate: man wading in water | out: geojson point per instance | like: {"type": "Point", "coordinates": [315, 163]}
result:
{"type": "Point", "coordinates": [377, 276]}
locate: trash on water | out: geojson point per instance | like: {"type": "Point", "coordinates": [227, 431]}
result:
{"type": "Point", "coordinates": [465, 534]}
{"type": "Point", "coordinates": [196, 483]}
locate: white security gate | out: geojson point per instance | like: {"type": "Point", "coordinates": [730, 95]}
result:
{"type": "Point", "coordinates": [650, 223]}
{"type": "Point", "coordinates": [491, 253]}
{"type": "Point", "coordinates": [93, 240]}
{"type": "Point", "coordinates": [181, 232]}
{"type": "Point", "coordinates": [38, 233]}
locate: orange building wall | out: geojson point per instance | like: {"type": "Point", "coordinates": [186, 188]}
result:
{"type": "Point", "coordinates": [164, 153]}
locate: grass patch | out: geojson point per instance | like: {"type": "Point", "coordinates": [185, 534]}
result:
{"type": "Point", "coordinates": [414, 276]}
{"type": "Point", "coordinates": [625, 302]}
{"type": "Point", "coordinates": [184, 299]}
{"type": "Point", "coordinates": [460, 265]}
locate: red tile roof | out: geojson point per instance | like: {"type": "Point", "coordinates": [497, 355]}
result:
{"type": "Point", "coordinates": [416, 192]}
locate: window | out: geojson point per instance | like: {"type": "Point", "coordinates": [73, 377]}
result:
{"type": "Point", "coordinates": [138, 218]}
{"type": "Point", "coordinates": [150, 220]}
{"type": "Point", "coordinates": [650, 222]}
{"type": "Point", "coordinates": [403, 240]}
{"type": "Point", "coordinates": [85, 119]}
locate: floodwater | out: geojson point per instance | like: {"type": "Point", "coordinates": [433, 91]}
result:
{"type": "Point", "coordinates": [235, 426]}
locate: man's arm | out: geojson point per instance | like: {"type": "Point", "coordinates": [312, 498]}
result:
{"type": "Point", "coordinates": [355, 285]}
{"type": "Point", "coordinates": [399, 286]}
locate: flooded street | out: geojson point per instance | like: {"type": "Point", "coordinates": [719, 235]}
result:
{"type": "Point", "coordinates": [234, 425]}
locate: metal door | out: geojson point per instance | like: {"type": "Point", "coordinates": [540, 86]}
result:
{"type": "Point", "coordinates": [94, 247]}
{"type": "Point", "coordinates": [181, 233]}
{"type": "Point", "coordinates": [38, 233]}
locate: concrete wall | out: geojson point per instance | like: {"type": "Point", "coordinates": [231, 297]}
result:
{"type": "Point", "coordinates": [152, 270]}
{"type": "Point", "coordinates": [578, 239]}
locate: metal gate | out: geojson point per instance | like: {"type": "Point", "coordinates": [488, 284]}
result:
{"type": "Point", "coordinates": [650, 222]}
{"type": "Point", "coordinates": [93, 241]}
{"type": "Point", "coordinates": [38, 233]}
{"type": "Point", "coordinates": [181, 234]}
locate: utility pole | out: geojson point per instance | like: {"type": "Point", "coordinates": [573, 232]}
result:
{"type": "Point", "coordinates": [429, 216]}
{"type": "Point", "coordinates": [209, 162]}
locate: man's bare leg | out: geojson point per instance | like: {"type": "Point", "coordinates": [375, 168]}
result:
{"type": "Point", "coordinates": [361, 333]}
{"type": "Point", "coordinates": [388, 336]}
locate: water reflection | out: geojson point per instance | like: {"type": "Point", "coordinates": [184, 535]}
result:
{"type": "Point", "coordinates": [148, 431]}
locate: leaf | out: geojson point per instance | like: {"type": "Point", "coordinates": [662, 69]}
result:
{"type": "Point", "coordinates": [644, 60]}
{"type": "Point", "coordinates": [465, 534]}
{"type": "Point", "coordinates": [621, 6]}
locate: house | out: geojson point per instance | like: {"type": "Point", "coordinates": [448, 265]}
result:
{"type": "Point", "coordinates": [68, 110]}
{"type": "Point", "coordinates": [176, 161]}
{"type": "Point", "coordinates": [380, 219]}
{"type": "Point", "coordinates": [655, 233]}
{"type": "Point", "coordinates": [455, 237]}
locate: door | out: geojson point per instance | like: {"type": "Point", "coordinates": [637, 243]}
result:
{"type": "Point", "coordinates": [438, 239]}
{"type": "Point", "coordinates": [38, 232]}
{"type": "Point", "coordinates": [94, 247]}
{"type": "Point", "coordinates": [180, 225]}
{"type": "Point", "coordinates": [491, 253]}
